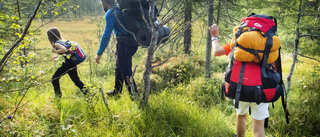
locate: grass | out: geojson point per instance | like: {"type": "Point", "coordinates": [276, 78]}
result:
{"type": "Point", "coordinates": [182, 102]}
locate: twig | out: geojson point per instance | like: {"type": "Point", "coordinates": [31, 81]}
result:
{"type": "Point", "coordinates": [309, 58]}
{"type": "Point", "coordinates": [17, 106]}
{"type": "Point", "coordinates": [159, 64]}
{"type": "Point", "coordinates": [30, 86]}
{"type": "Point", "coordinates": [44, 24]}
{"type": "Point", "coordinates": [104, 98]}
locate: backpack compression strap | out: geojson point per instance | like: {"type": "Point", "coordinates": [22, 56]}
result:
{"type": "Point", "coordinates": [266, 56]}
{"type": "Point", "coordinates": [252, 51]}
{"type": "Point", "coordinates": [284, 93]}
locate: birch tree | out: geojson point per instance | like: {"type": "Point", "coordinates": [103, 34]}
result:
{"type": "Point", "coordinates": [177, 31]}
{"type": "Point", "coordinates": [151, 50]}
{"type": "Point", "coordinates": [304, 15]}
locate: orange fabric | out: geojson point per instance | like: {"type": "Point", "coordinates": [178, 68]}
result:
{"type": "Point", "coordinates": [227, 48]}
{"type": "Point", "coordinates": [254, 40]}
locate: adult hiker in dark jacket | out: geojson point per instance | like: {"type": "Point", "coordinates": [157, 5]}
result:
{"type": "Point", "coordinates": [124, 50]}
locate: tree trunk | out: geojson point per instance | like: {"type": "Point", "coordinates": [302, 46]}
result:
{"type": "Point", "coordinates": [187, 32]}
{"type": "Point", "coordinates": [79, 14]}
{"type": "Point", "coordinates": [148, 66]}
{"type": "Point", "coordinates": [296, 46]}
{"type": "Point", "coordinates": [219, 9]}
{"type": "Point", "coordinates": [209, 42]}
{"type": "Point", "coordinates": [90, 9]}
{"type": "Point", "coordinates": [18, 7]}
{"type": "Point", "coordinates": [68, 15]}
{"type": "Point", "coordinates": [15, 45]}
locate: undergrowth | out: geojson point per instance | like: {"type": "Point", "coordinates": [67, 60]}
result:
{"type": "Point", "coordinates": [182, 102]}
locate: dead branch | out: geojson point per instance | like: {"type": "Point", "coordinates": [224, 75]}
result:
{"type": "Point", "coordinates": [161, 63]}
{"type": "Point", "coordinates": [104, 98]}
{"type": "Point", "coordinates": [309, 57]}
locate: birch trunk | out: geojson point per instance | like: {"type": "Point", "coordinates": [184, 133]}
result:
{"type": "Point", "coordinates": [148, 66]}
{"type": "Point", "coordinates": [295, 54]}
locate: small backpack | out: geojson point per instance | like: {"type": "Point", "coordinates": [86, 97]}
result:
{"type": "Point", "coordinates": [74, 53]}
{"type": "Point", "coordinates": [249, 80]}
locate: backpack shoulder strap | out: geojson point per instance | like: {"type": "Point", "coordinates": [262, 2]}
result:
{"type": "Point", "coordinates": [64, 43]}
{"type": "Point", "coordinates": [239, 85]}
{"type": "Point", "coordinates": [267, 49]}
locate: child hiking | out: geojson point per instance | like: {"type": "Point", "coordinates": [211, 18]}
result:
{"type": "Point", "coordinates": [253, 77]}
{"type": "Point", "coordinates": [258, 112]}
{"type": "Point", "coordinates": [68, 66]}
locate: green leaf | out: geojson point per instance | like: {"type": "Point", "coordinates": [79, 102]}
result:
{"type": "Point", "coordinates": [38, 16]}
{"type": "Point", "coordinates": [55, 13]}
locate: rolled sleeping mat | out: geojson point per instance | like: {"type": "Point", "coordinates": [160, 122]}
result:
{"type": "Point", "coordinates": [162, 33]}
{"type": "Point", "coordinates": [143, 36]}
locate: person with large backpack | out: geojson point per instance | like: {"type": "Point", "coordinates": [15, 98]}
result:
{"type": "Point", "coordinates": [125, 48]}
{"type": "Point", "coordinates": [250, 78]}
{"type": "Point", "coordinates": [259, 112]}
{"type": "Point", "coordinates": [73, 55]}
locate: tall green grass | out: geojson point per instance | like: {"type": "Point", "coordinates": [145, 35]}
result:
{"type": "Point", "coordinates": [182, 103]}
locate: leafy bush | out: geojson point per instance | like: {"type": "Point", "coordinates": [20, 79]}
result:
{"type": "Point", "coordinates": [178, 70]}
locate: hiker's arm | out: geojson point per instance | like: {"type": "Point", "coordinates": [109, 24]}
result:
{"type": "Point", "coordinates": [58, 48]}
{"type": "Point", "coordinates": [110, 21]}
{"type": "Point", "coordinates": [217, 49]}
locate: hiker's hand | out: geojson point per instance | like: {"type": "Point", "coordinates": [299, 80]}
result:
{"type": "Point", "coordinates": [214, 30]}
{"type": "Point", "coordinates": [98, 57]}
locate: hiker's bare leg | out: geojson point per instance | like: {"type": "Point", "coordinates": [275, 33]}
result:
{"type": "Point", "coordinates": [258, 128]}
{"type": "Point", "coordinates": [241, 125]}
